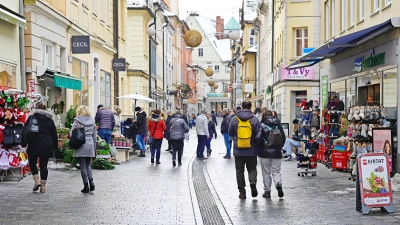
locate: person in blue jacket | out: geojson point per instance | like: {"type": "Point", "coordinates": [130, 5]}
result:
{"type": "Point", "coordinates": [212, 131]}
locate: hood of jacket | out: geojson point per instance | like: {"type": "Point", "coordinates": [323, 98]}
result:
{"type": "Point", "coordinates": [155, 120]}
{"type": "Point", "coordinates": [142, 113]}
{"type": "Point", "coordinates": [177, 115]}
{"type": "Point", "coordinates": [42, 115]}
{"type": "Point", "coordinates": [244, 114]}
{"type": "Point", "coordinates": [271, 121]}
{"type": "Point", "coordinates": [85, 120]}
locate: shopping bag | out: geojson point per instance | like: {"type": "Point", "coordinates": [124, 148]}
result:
{"type": "Point", "coordinates": [187, 137]}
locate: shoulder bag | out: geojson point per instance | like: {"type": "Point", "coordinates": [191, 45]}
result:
{"type": "Point", "coordinates": [78, 137]}
{"type": "Point", "coordinates": [31, 130]}
{"type": "Point", "coordinates": [150, 139]}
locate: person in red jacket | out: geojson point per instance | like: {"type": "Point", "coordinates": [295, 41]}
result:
{"type": "Point", "coordinates": [156, 126]}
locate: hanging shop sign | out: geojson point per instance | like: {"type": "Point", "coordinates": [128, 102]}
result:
{"type": "Point", "coordinates": [367, 62]}
{"type": "Point", "coordinates": [80, 44]}
{"type": "Point", "coordinates": [374, 184]}
{"type": "Point", "coordinates": [31, 85]}
{"type": "Point", "coordinates": [118, 64]}
{"type": "Point", "coordinates": [217, 95]}
{"type": "Point", "coordinates": [306, 73]}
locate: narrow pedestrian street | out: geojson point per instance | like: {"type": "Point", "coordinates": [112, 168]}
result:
{"type": "Point", "coordinates": [199, 192]}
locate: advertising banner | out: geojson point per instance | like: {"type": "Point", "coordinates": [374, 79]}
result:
{"type": "Point", "coordinates": [382, 143]}
{"type": "Point", "coordinates": [375, 185]}
{"type": "Point", "coordinates": [306, 73]}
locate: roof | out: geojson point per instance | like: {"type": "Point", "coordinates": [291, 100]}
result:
{"type": "Point", "coordinates": [232, 25]}
{"type": "Point", "coordinates": [250, 10]}
{"type": "Point", "coordinates": [223, 48]}
{"type": "Point", "coordinates": [337, 45]}
{"type": "Point", "coordinates": [252, 49]}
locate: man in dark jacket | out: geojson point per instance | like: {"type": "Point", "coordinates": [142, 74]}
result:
{"type": "Point", "coordinates": [212, 131]}
{"type": "Point", "coordinates": [105, 121]}
{"type": "Point", "coordinates": [224, 131]}
{"type": "Point", "coordinates": [142, 131]}
{"type": "Point", "coordinates": [245, 156]}
{"type": "Point", "coordinates": [270, 153]}
{"type": "Point", "coordinates": [214, 117]}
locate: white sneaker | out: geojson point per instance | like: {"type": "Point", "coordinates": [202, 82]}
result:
{"type": "Point", "coordinates": [289, 158]}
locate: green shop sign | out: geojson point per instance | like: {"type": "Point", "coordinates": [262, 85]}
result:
{"type": "Point", "coordinates": [367, 62]}
{"type": "Point", "coordinates": [217, 95]}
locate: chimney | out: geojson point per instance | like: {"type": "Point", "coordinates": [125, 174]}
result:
{"type": "Point", "coordinates": [219, 27]}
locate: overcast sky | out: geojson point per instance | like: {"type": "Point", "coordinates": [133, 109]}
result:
{"type": "Point", "coordinates": [211, 8]}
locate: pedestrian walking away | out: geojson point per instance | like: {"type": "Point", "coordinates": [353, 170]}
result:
{"type": "Point", "coordinates": [156, 127]}
{"type": "Point", "coordinates": [141, 124]}
{"type": "Point", "coordinates": [224, 131]}
{"type": "Point", "coordinates": [41, 145]}
{"type": "Point", "coordinates": [243, 128]}
{"type": "Point", "coordinates": [85, 152]}
{"type": "Point", "coordinates": [166, 133]}
{"type": "Point", "coordinates": [106, 122]}
{"type": "Point", "coordinates": [214, 117]}
{"type": "Point", "coordinates": [202, 133]}
{"type": "Point", "coordinates": [212, 132]}
{"type": "Point", "coordinates": [270, 153]}
{"type": "Point", "coordinates": [177, 129]}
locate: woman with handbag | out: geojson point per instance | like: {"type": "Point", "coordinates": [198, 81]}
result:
{"type": "Point", "coordinates": [40, 135]}
{"type": "Point", "coordinates": [156, 127]}
{"type": "Point", "coordinates": [85, 152]}
{"type": "Point", "coordinates": [177, 129]}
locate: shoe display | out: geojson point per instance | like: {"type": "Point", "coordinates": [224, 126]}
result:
{"type": "Point", "coordinates": [254, 191]}
{"type": "Point", "coordinates": [242, 195]}
{"type": "Point", "coordinates": [267, 194]}
{"type": "Point", "coordinates": [280, 191]}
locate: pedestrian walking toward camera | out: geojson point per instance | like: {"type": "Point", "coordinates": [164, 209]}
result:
{"type": "Point", "coordinates": [212, 132]}
{"type": "Point", "coordinates": [214, 117]}
{"type": "Point", "coordinates": [243, 128]}
{"type": "Point", "coordinates": [270, 138]}
{"type": "Point", "coordinates": [85, 152]}
{"type": "Point", "coordinates": [106, 122]}
{"type": "Point", "coordinates": [224, 131]}
{"type": "Point", "coordinates": [141, 124]}
{"type": "Point", "coordinates": [202, 133]}
{"type": "Point", "coordinates": [40, 145]}
{"type": "Point", "coordinates": [177, 128]}
{"type": "Point", "coordinates": [156, 127]}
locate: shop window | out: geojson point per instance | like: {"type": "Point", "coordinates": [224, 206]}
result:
{"type": "Point", "coordinates": [105, 88]}
{"type": "Point", "coordinates": [7, 75]}
{"type": "Point", "coordinates": [339, 89]}
{"type": "Point", "coordinates": [80, 69]}
{"type": "Point", "coordinates": [301, 40]}
{"type": "Point", "coordinates": [47, 55]}
{"type": "Point", "coordinates": [369, 89]}
{"type": "Point", "coordinates": [350, 93]}
{"type": "Point", "coordinates": [389, 88]}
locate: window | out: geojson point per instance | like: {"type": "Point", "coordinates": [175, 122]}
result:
{"type": "Point", "coordinates": [333, 18]}
{"type": "Point", "coordinates": [227, 70]}
{"type": "Point", "coordinates": [361, 8]}
{"type": "Point", "coordinates": [352, 12]}
{"type": "Point", "coordinates": [216, 68]}
{"type": "Point", "coordinates": [47, 55]}
{"type": "Point", "coordinates": [343, 15]}
{"type": "Point", "coordinates": [387, 2]}
{"type": "Point", "coordinates": [105, 88]}
{"type": "Point", "coordinates": [301, 40]}
{"type": "Point", "coordinates": [80, 69]}
{"type": "Point", "coordinates": [327, 22]}
{"type": "Point", "coordinates": [7, 74]}
{"type": "Point", "coordinates": [251, 41]}
{"type": "Point", "coordinates": [200, 52]}
{"type": "Point", "coordinates": [210, 66]}
{"type": "Point", "coordinates": [376, 5]}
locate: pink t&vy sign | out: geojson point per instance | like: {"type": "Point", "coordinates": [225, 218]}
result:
{"type": "Point", "coordinates": [306, 73]}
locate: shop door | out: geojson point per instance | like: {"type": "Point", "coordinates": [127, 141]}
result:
{"type": "Point", "coordinates": [369, 95]}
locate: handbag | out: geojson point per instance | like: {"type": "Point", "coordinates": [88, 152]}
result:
{"type": "Point", "coordinates": [31, 130]}
{"type": "Point", "coordinates": [78, 137]}
{"type": "Point", "coordinates": [8, 135]}
{"type": "Point", "coordinates": [150, 139]}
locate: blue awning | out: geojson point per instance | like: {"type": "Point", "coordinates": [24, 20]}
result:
{"type": "Point", "coordinates": [334, 46]}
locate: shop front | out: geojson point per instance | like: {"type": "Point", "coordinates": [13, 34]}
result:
{"type": "Point", "coordinates": [217, 102]}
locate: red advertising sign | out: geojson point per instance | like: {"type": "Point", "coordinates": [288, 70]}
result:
{"type": "Point", "coordinates": [375, 185]}
{"type": "Point", "coordinates": [31, 85]}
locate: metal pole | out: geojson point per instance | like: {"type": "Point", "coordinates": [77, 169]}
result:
{"type": "Point", "coordinates": [116, 31]}
{"type": "Point", "coordinates": [22, 49]}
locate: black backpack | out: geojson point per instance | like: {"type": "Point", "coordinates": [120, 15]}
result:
{"type": "Point", "coordinates": [274, 138]}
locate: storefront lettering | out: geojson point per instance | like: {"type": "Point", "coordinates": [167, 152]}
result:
{"type": "Point", "coordinates": [301, 70]}
{"type": "Point", "coordinates": [80, 44]}
{"type": "Point", "coordinates": [217, 95]}
{"type": "Point", "coordinates": [373, 161]}
{"type": "Point", "coordinates": [367, 62]}
{"type": "Point", "coordinates": [306, 73]}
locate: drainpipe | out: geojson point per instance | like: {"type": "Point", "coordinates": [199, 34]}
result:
{"type": "Point", "coordinates": [116, 32]}
{"type": "Point", "coordinates": [164, 83]}
{"type": "Point", "coordinates": [272, 48]}
{"type": "Point", "coordinates": [22, 49]}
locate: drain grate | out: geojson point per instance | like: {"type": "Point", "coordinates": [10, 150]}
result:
{"type": "Point", "coordinates": [208, 207]}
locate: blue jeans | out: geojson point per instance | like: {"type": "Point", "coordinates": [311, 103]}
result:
{"type": "Point", "coordinates": [201, 144]}
{"type": "Point", "coordinates": [140, 142]}
{"type": "Point", "coordinates": [156, 149]}
{"type": "Point", "coordinates": [105, 134]}
{"type": "Point", "coordinates": [227, 140]}
{"type": "Point", "coordinates": [208, 143]}
{"type": "Point", "coordinates": [289, 144]}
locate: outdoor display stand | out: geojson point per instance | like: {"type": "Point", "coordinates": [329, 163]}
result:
{"type": "Point", "coordinates": [123, 153]}
{"type": "Point", "coordinates": [374, 187]}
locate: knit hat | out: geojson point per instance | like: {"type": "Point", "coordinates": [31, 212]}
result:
{"type": "Point", "coordinates": [138, 108]}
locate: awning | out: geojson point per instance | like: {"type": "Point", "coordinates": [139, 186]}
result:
{"type": "Point", "coordinates": [64, 80]}
{"type": "Point", "coordinates": [12, 17]}
{"type": "Point", "coordinates": [334, 46]}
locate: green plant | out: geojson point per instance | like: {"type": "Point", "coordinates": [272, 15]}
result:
{"type": "Point", "coordinates": [69, 157]}
{"type": "Point", "coordinates": [58, 108]}
{"type": "Point", "coordinates": [63, 130]}
{"type": "Point", "coordinates": [102, 164]}
{"type": "Point", "coordinates": [70, 116]}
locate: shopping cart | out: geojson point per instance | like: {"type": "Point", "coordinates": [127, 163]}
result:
{"type": "Point", "coordinates": [307, 163]}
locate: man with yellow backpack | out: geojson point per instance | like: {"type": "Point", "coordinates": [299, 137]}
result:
{"type": "Point", "coordinates": [242, 129]}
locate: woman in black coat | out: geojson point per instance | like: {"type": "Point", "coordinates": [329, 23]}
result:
{"type": "Point", "coordinates": [166, 132]}
{"type": "Point", "coordinates": [270, 153]}
{"type": "Point", "coordinates": [41, 145]}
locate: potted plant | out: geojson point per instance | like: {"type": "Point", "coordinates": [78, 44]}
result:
{"type": "Point", "coordinates": [63, 132]}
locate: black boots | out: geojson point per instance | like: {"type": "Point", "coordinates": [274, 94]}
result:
{"type": "Point", "coordinates": [91, 184]}
{"type": "Point", "coordinates": [85, 188]}
{"type": "Point", "coordinates": [152, 160]}
{"type": "Point", "coordinates": [173, 163]}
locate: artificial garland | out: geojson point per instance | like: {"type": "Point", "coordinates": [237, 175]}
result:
{"type": "Point", "coordinates": [58, 108]}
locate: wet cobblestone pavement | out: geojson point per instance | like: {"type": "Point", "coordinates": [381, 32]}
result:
{"type": "Point", "coordinates": [199, 192]}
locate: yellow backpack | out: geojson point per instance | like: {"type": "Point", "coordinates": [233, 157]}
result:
{"type": "Point", "coordinates": [244, 133]}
